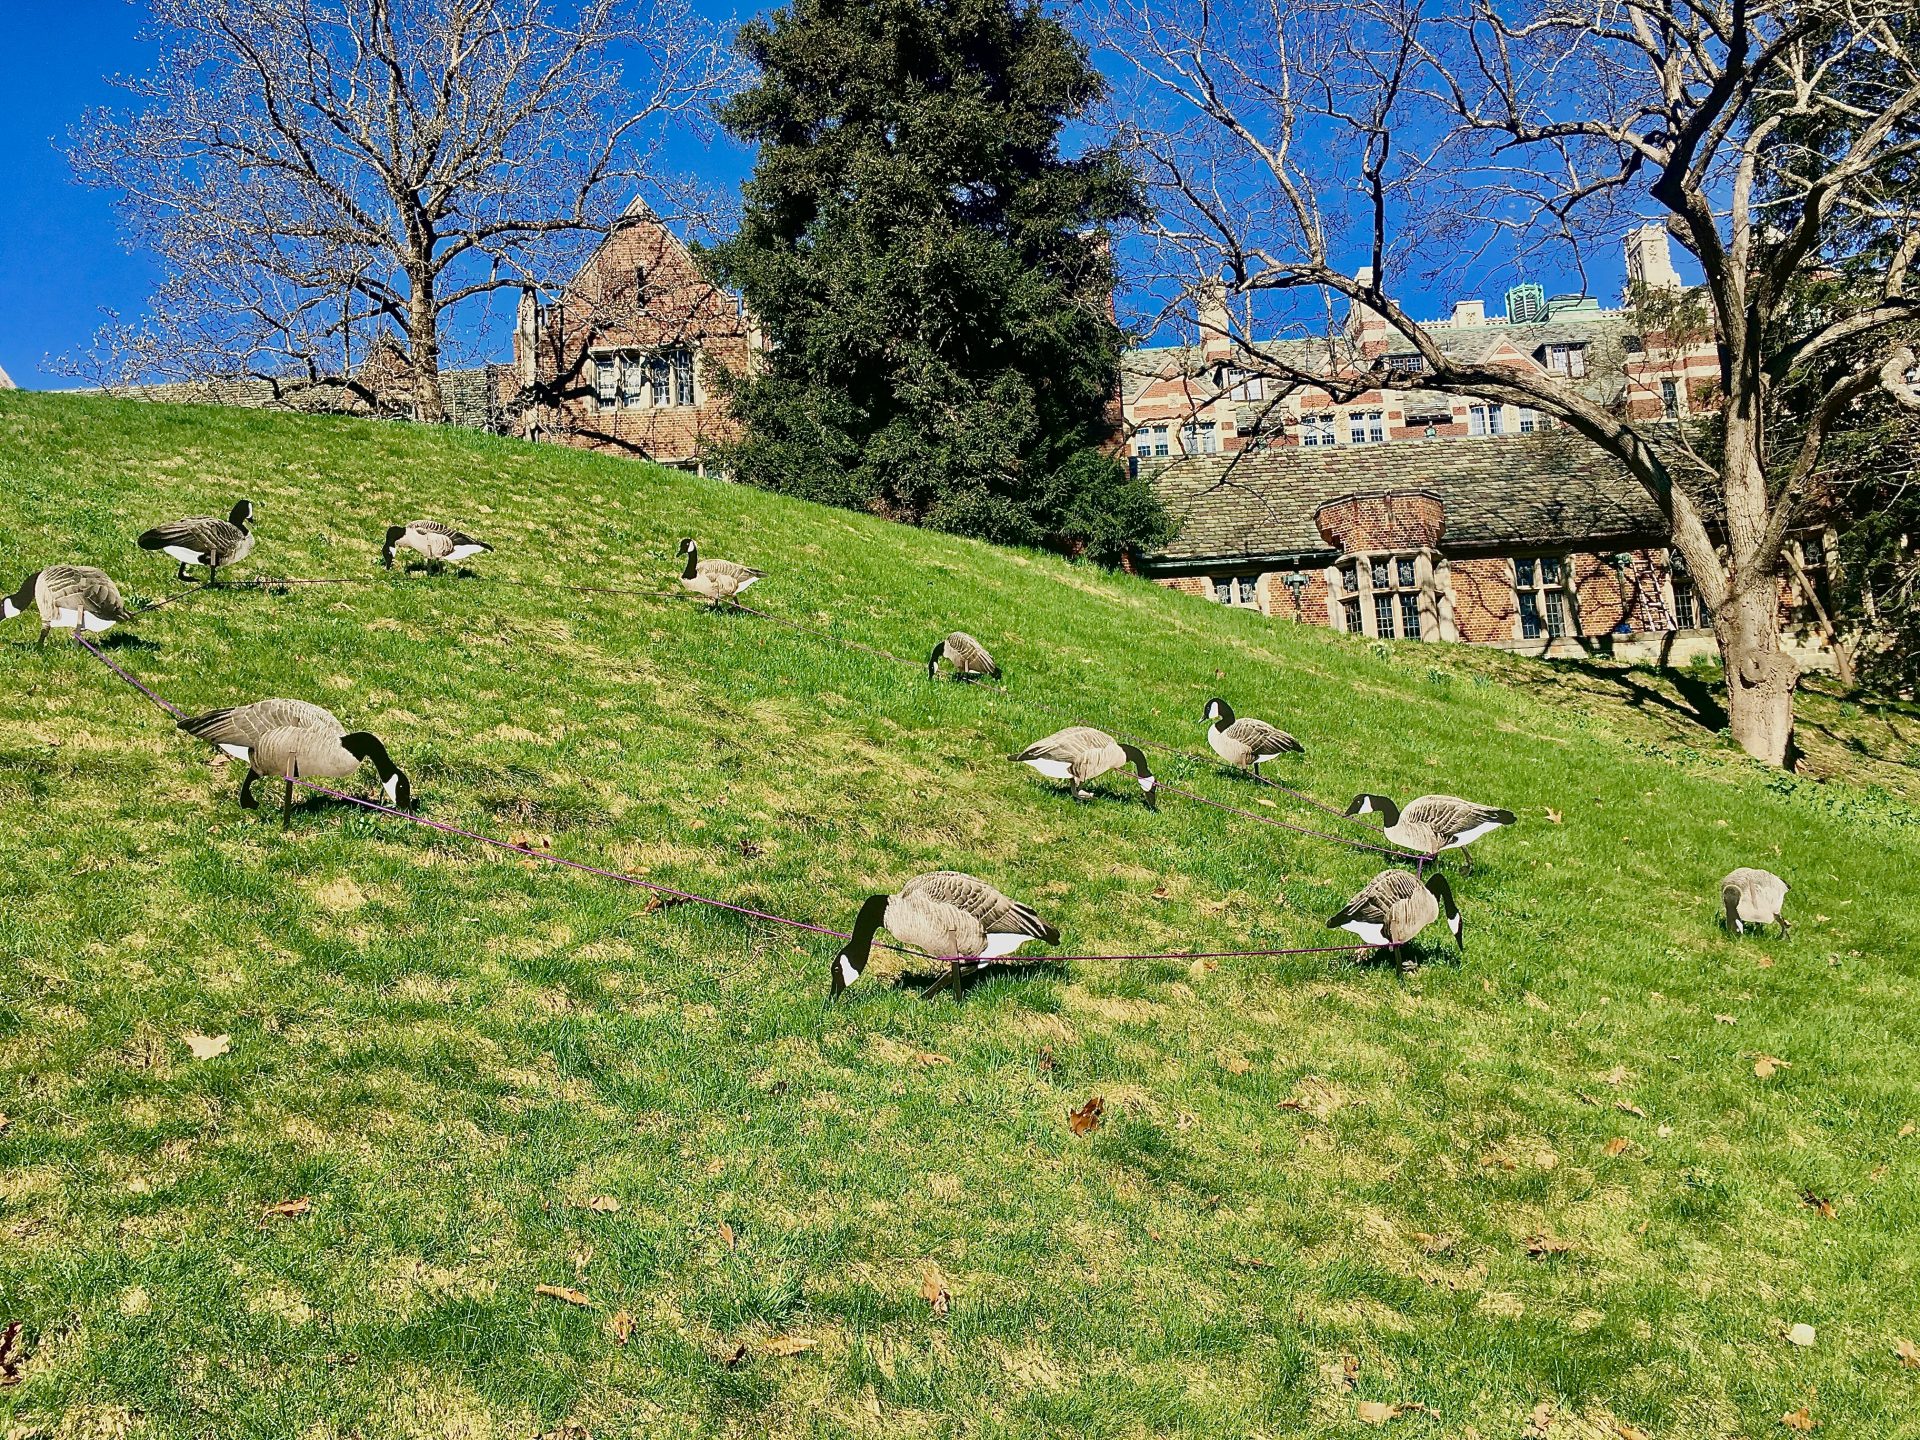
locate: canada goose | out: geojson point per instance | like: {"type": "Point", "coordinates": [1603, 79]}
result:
{"type": "Point", "coordinates": [203, 540]}
{"type": "Point", "coordinates": [69, 597]}
{"type": "Point", "coordinates": [1247, 742]}
{"type": "Point", "coordinates": [292, 740]}
{"type": "Point", "coordinates": [951, 916]}
{"type": "Point", "coordinates": [1433, 822]}
{"type": "Point", "coordinates": [1081, 754]}
{"type": "Point", "coordinates": [967, 655]}
{"type": "Point", "coordinates": [1753, 897]}
{"type": "Point", "coordinates": [1394, 906]}
{"type": "Point", "coordinates": [715, 580]}
{"type": "Point", "coordinates": [438, 543]}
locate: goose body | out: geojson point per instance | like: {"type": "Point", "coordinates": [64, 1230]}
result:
{"type": "Point", "coordinates": [68, 597]}
{"type": "Point", "coordinates": [951, 916]}
{"type": "Point", "coordinates": [1753, 897]}
{"type": "Point", "coordinates": [430, 539]}
{"type": "Point", "coordinates": [1433, 822]}
{"type": "Point", "coordinates": [967, 655]}
{"type": "Point", "coordinates": [1081, 754]}
{"type": "Point", "coordinates": [1394, 907]}
{"type": "Point", "coordinates": [203, 540]}
{"type": "Point", "coordinates": [715, 580]}
{"type": "Point", "coordinates": [291, 740]}
{"type": "Point", "coordinates": [1243, 740]}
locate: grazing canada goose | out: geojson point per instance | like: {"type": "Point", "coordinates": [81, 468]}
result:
{"type": "Point", "coordinates": [951, 916]}
{"type": "Point", "coordinates": [1433, 822]}
{"type": "Point", "coordinates": [1081, 754]}
{"type": "Point", "coordinates": [69, 597]}
{"type": "Point", "coordinates": [967, 655]}
{"type": "Point", "coordinates": [715, 580]}
{"type": "Point", "coordinates": [1394, 906]}
{"type": "Point", "coordinates": [1753, 897]}
{"type": "Point", "coordinates": [1247, 742]}
{"type": "Point", "coordinates": [203, 540]}
{"type": "Point", "coordinates": [292, 740]}
{"type": "Point", "coordinates": [438, 543]}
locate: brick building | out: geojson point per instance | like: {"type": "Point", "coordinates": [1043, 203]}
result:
{"type": "Point", "coordinates": [1413, 515]}
{"type": "Point", "coordinates": [624, 358]}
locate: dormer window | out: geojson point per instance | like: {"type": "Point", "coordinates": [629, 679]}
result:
{"type": "Point", "coordinates": [1412, 363]}
{"type": "Point", "coordinates": [1568, 360]}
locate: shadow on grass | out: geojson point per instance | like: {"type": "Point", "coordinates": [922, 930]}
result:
{"type": "Point", "coordinates": [1694, 699]}
{"type": "Point", "coordinates": [957, 980]}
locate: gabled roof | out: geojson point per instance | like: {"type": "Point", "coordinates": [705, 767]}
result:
{"type": "Point", "coordinates": [1499, 493]}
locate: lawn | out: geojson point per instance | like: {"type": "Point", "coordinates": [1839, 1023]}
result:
{"type": "Point", "coordinates": [1584, 1178]}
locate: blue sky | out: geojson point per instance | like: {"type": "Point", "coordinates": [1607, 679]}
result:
{"type": "Point", "coordinates": [61, 260]}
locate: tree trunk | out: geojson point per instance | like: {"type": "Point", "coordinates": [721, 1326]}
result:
{"type": "Point", "coordinates": [1760, 677]}
{"type": "Point", "coordinates": [423, 348]}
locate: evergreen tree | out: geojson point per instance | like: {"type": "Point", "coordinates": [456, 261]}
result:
{"type": "Point", "coordinates": [932, 272]}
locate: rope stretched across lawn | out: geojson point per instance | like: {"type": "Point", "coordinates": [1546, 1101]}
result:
{"type": "Point", "coordinates": [689, 896]}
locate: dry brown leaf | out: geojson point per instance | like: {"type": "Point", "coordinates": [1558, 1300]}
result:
{"type": "Point", "coordinates": [1799, 1420]}
{"type": "Point", "coordinates": [1629, 1432]}
{"type": "Point", "coordinates": [620, 1326]}
{"type": "Point", "coordinates": [1618, 1076]}
{"type": "Point", "coordinates": [205, 1047]}
{"type": "Point", "coordinates": [1726, 1019]}
{"type": "Point", "coordinates": [1630, 1108]}
{"type": "Point", "coordinates": [727, 1236]}
{"type": "Point", "coordinates": [1349, 1371]}
{"type": "Point", "coordinates": [1765, 1065]}
{"type": "Point", "coordinates": [1540, 1422]}
{"type": "Point", "coordinates": [1908, 1129]}
{"type": "Point", "coordinates": [1434, 1244]}
{"type": "Point", "coordinates": [1553, 816]}
{"type": "Point", "coordinates": [1236, 1065]}
{"type": "Point", "coordinates": [735, 1356]}
{"type": "Point", "coordinates": [784, 1345]}
{"type": "Point", "coordinates": [288, 1207]}
{"type": "Point", "coordinates": [563, 1292]}
{"type": "Point", "coordinates": [1813, 1201]}
{"type": "Point", "coordinates": [933, 1289]}
{"type": "Point", "coordinates": [5, 1120]}
{"type": "Point", "coordinates": [1908, 1353]}
{"type": "Point", "coordinates": [1087, 1118]}
{"type": "Point", "coordinates": [1291, 1104]}
{"type": "Point", "coordinates": [1802, 1335]}
{"type": "Point", "coordinates": [1043, 1062]}
{"type": "Point", "coordinates": [1543, 1244]}
{"type": "Point", "coordinates": [9, 1358]}
{"type": "Point", "coordinates": [1764, 962]}
{"type": "Point", "coordinates": [1200, 969]}
{"type": "Point", "coordinates": [1376, 1412]}
{"type": "Point", "coordinates": [604, 1204]}
{"type": "Point", "coordinates": [1616, 1146]}
{"type": "Point", "coordinates": [930, 1057]}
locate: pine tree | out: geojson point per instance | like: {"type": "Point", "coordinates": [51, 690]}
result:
{"type": "Point", "coordinates": [932, 271]}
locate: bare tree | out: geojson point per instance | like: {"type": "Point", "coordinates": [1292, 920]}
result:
{"type": "Point", "coordinates": [324, 181]}
{"type": "Point", "coordinates": [1312, 153]}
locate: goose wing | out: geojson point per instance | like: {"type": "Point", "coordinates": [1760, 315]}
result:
{"type": "Point", "coordinates": [85, 588]}
{"type": "Point", "coordinates": [969, 654]}
{"type": "Point", "coordinates": [244, 726]}
{"type": "Point", "coordinates": [1450, 816]}
{"type": "Point", "coordinates": [200, 533]}
{"type": "Point", "coordinates": [1758, 893]}
{"type": "Point", "coordinates": [1262, 739]}
{"type": "Point", "coordinates": [728, 570]}
{"type": "Point", "coordinates": [1369, 913]}
{"type": "Point", "coordinates": [1069, 744]}
{"type": "Point", "coordinates": [997, 913]}
{"type": "Point", "coordinates": [454, 538]}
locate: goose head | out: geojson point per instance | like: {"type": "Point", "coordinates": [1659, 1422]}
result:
{"type": "Point", "coordinates": [394, 532]}
{"type": "Point", "coordinates": [1147, 783]}
{"type": "Point", "coordinates": [393, 780]}
{"type": "Point", "coordinates": [851, 962]}
{"type": "Point", "coordinates": [933, 660]}
{"type": "Point", "coordinates": [1443, 892]}
{"type": "Point", "coordinates": [1219, 712]}
{"type": "Point", "coordinates": [241, 514]}
{"type": "Point", "coordinates": [13, 604]}
{"type": "Point", "coordinates": [1380, 805]}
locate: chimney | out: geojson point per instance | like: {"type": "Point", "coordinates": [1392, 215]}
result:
{"type": "Point", "coordinates": [1650, 260]}
{"type": "Point", "coordinates": [1469, 312]}
{"type": "Point", "coordinates": [1216, 324]}
{"type": "Point", "coordinates": [526, 338]}
{"type": "Point", "coordinates": [1366, 328]}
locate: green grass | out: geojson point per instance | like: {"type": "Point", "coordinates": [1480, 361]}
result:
{"type": "Point", "coordinates": [450, 1051]}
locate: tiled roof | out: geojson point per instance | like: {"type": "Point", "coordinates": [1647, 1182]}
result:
{"type": "Point", "coordinates": [1498, 492]}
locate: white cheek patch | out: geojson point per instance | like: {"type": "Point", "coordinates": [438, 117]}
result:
{"type": "Point", "coordinates": [847, 973]}
{"type": "Point", "coordinates": [392, 786]}
{"type": "Point", "coordinates": [183, 554]}
{"type": "Point", "coordinates": [238, 752]}
{"type": "Point", "coordinates": [96, 624]}
{"type": "Point", "coordinates": [1371, 933]}
{"type": "Point", "coordinates": [1148, 783]}
{"type": "Point", "coordinates": [1052, 769]}
{"type": "Point", "coordinates": [8, 609]}
{"type": "Point", "coordinates": [998, 945]}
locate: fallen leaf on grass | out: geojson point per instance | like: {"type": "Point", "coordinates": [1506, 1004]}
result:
{"type": "Point", "coordinates": [663, 902]}
{"type": "Point", "coordinates": [1349, 1371]}
{"type": "Point", "coordinates": [9, 1360]}
{"type": "Point", "coordinates": [738, 1354]}
{"type": "Point", "coordinates": [563, 1292]}
{"type": "Point", "coordinates": [288, 1207]}
{"type": "Point", "coordinates": [1043, 1062]}
{"type": "Point", "coordinates": [1813, 1201]}
{"type": "Point", "coordinates": [785, 1345]}
{"type": "Point", "coordinates": [933, 1289]}
{"type": "Point", "coordinates": [1200, 969]}
{"type": "Point", "coordinates": [620, 1326]}
{"type": "Point", "coordinates": [1630, 1108]}
{"type": "Point", "coordinates": [1543, 1244]}
{"type": "Point", "coordinates": [1433, 1244]}
{"type": "Point", "coordinates": [1540, 1422]}
{"type": "Point", "coordinates": [1765, 1065]}
{"type": "Point", "coordinates": [1553, 816]}
{"type": "Point", "coordinates": [5, 1120]}
{"type": "Point", "coordinates": [1726, 1019]}
{"type": "Point", "coordinates": [1618, 1076]}
{"type": "Point", "coordinates": [1293, 1104]}
{"type": "Point", "coordinates": [1764, 962]}
{"type": "Point", "coordinates": [1629, 1432]}
{"type": "Point", "coordinates": [1087, 1118]}
{"type": "Point", "coordinates": [530, 842]}
{"type": "Point", "coordinates": [1907, 1130]}
{"type": "Point", "coordinates": [930, 1058]}
{"type": "Point", "coordinates": [1799, 1420]}
{"type": "Point", "coordinates": [603, 1204]}
{"type": "Point", "coordinates": [1236, 1065]}
{"type": "Point", "coordinates": [1377, 1412]}
{"type": "Point", "coordinates": [1802, 1335]}
{"type": "Point", "coordinates": [1616, 1146]}
{"type": "Point", "coordinates": [749, 848]}
{"type": "Point", "coordinates": [1908, 1353]}
{"type": "Point", "coordinates": [205, 1047]}
{"type": "Point", "coordinates": [727, 1236]}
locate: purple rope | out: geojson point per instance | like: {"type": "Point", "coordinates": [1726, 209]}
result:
{"type": "Point", "coordinates": [166, 705]}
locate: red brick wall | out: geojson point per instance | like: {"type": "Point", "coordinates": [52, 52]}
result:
{"type": "Point", "coordinates": [1276, 597]}
{"type": "Point", "coordinates": [1483, 603]}
{"type": "Point", "coordinates": [1406, 521]}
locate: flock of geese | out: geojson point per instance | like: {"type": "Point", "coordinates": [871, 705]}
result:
{"type": "Point", "coordinates": [952, 917]}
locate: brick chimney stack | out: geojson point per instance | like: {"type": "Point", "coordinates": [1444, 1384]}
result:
{"type": "Point", "coordinates": [1216, 324]}
{"type": "Point", "coordinates": [1650, 260]}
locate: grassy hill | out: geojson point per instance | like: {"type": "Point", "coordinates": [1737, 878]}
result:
{"type": "Point", "coordinates": [1546, 1174]}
